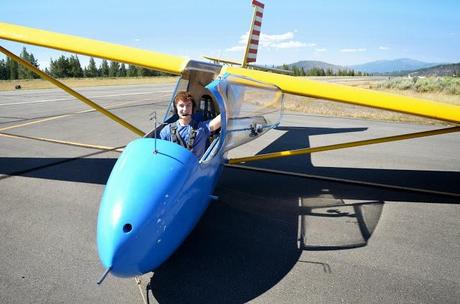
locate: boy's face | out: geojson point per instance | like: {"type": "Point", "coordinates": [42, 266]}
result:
{"type": "Point", "coordinates": [184, 108]}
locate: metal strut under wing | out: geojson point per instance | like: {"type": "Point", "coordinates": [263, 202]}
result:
{"type": "Point", "coordinates": [296, 152]}
{"type": "Point", "coordinates": [72, 92]}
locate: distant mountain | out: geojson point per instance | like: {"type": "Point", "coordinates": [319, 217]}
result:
{"type": "Point", "coordinates": [439, 70]}
{"type": "Point", "coordinates": [401, 66]}
{"type": "Point", "coordinates": [310, 64]}
{"type": "Point", "coordinates": [392, 66]}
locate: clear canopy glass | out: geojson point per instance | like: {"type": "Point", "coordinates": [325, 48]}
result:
{"type": "Point", "coordinates": [252, 108]}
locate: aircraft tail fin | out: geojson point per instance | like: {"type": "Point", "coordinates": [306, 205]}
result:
{"type": "Point", "coordinates": [250, 54]}
{"type": "Point", "coordinates": [252, 45]}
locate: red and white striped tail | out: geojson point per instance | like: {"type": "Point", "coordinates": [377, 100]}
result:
{"type": "Point", "coordinates": [254, 35]}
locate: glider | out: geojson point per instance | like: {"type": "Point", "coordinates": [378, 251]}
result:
{"type": "Point", "coordinates": [158, 190]}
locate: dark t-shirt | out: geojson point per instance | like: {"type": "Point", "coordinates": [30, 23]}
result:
{"type": "Point", "coordinates": [202, 134]}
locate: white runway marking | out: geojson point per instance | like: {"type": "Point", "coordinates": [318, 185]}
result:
{"type": "Point", "coordinates": [70, 98]}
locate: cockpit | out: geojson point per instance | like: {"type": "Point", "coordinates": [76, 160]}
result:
{"type": "Point", "coordinates": [194, 79]}
{"type": "Point", "coordinates": [248, 108]}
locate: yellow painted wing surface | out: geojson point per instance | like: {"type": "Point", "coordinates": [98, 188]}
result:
{"type": "Point", "coordinates": [288, 84]}
{"type": "Point", "coordinates": [148, 59]}
{"type": "Point", "coordinates": [309, 88]}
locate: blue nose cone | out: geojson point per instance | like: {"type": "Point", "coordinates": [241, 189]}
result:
{"type": "Point", "coordinates": [150, 204]}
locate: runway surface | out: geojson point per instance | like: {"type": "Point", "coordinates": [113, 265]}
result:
{"type": "Point", "coordinates": [269, 239]}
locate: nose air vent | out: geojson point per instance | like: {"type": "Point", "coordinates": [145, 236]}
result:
{"type": "Point", "coordinates": [127, 228]}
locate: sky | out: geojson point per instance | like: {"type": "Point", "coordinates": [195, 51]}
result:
{"type": "Point", "coordinates": [338, 32]}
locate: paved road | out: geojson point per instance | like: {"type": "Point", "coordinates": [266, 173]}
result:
{"type": "Point", "coordinates": [269, 239]}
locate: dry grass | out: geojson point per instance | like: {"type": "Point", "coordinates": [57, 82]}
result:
{"type": "Point", "coordinates": [336, 109]}
{"type": "Point", "coordinates": [447, 85]}
{"type": "Point", "coordinates": [26, 84]}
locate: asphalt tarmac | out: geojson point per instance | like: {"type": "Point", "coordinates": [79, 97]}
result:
{"type": "Point", "coordinates": [269, 238]}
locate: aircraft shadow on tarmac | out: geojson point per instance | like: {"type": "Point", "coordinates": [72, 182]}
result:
{"type": "Point", "coordinates": [252, 237]}
{"type": "Point", "coordinates": [89, 168]}
{"type": "Point", "coordinates": [75, 169]}
{"type": "Point", "coordinates": [10, 119]}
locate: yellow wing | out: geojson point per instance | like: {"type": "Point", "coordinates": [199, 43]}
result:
{"type": "Point", "coordinates": [148, 59]}
{"type": "Point", "coordinates": [288, 84]}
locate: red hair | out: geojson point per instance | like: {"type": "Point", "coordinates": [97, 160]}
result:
{"type": "Point", "coordinates": [184, 96]}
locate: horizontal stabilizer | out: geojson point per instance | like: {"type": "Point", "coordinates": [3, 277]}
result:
{"type": "Point", "coordinates": [220, 60]}
{"type": "Point", "coordinates": [252, 66]}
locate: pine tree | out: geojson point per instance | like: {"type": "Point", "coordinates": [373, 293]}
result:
{"type": "Point", "coordinates": [53, 68]}
{"type": "Point", "coordinates": [156, 73]}
{"type": "Point", "coordinates": [23, 72]}
{"type": "Point", "coordinates": [132, 71]}
{"type": "Point", "coordinates": [12, 68]}
{"type": "Point", "coordinates": [302, 72]}
{"type": "Point", "coordinates": [113, 69]}
{"type": "Point", "coordinates": [104, 69]}
{"type": "Point", "coordinates": [142, 72]}
{"type": "Point", "coordinates": [34, 62]}
{"type": "Point", "coordinates": [75, 69]}
{"type": "Point", "coordinates": [295, 70]}
{"type": "Point", "coordinates": [122, 72]}
{"type": "Point", "coordinates": [91, 70]}
{"type": "Point", "coordinates": [312, 72]}
{"type": "Point", "coordinates": [3, 70]}
{"type": "Point", "coordinates": [61, 67]}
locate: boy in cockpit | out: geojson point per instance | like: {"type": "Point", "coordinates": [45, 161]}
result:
{"type": "Point", "coordinates": [187, 132]}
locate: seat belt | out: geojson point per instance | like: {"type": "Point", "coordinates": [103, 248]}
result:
{"type": "Point", "coordinates": [192, 135]}
{"type": "Point", "coordinates": [176, 138]}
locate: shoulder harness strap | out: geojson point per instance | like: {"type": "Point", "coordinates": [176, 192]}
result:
{"type": "Point", "coordinates": [175, 136]}
{"type": "Point", "coordinates": [192, 134]}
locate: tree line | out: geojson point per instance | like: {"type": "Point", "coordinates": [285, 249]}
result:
{"type": "Point", "coordinates": [10, 69]}
{"type": "Point", "coordinates": [300, 71]}
{"type": "Point", "coordinates": [70, 67]}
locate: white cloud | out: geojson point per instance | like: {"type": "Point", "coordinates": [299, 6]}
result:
{"type": "Point", "coordinates": [289, 45]}
{"type": "Point", "coordinates": [279, 41]}
{"type": "Point", "coordinates": [353, 50]}
{"type": "Point", "coordinates": [243, 38]}
{"type": "Point", "coordinates": [321, 50]}
{"type": "Point", "coordinates": [270, 40]}
{"type": "Point", "coordinates": [384, 48]}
